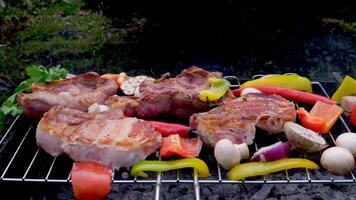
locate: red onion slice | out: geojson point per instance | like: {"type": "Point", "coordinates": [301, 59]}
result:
{"type": "Point", "coordinates": [275, 151]}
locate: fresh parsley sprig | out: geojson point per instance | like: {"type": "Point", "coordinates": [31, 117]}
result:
{"type": "Point", "coordinates": [37, 74]}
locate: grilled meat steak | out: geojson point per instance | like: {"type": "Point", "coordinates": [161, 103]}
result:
{"type": "Point", "coordinates": [79, 92]}
{"type": "Point", "coordinates": [176, 96]}
{"type": "Point", "coordinates": [236, 119]}
{"type": "Point", "coordinates": [106, 137]}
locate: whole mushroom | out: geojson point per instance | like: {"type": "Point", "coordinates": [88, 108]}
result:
{"type": "Point", "coordinates": [229, 154]}
{"type": "Point", "coordinates": [337, 160]}
{"type": "Point", "coordinates": [348, 141]}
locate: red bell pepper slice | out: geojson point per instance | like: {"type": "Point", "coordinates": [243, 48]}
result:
{"type": "Point", "coordinates": [309, 121]}
{"type": "Point", "coordinates": [353, 116]}
{"type": "Point", "coordinates": [295, 95]}
{"type": "Point", "coordinates": [91, 180]}
{"type": "Point", "coordinates": [321, 118]}
{"type": "Point", "coordinates": [167, 129]}
{"type": "Point", "coordinates": [184, 147]}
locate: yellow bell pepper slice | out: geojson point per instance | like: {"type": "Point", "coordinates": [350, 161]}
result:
{"type": "Point", "coordinates": [218, 88]}
{"type": "Point", "coordinates": [291, 81]}
{"type": "Point", "coordinates": [139, 168]}
{"type": "Point", "coordinates": [347, 88]}
{"type": "Point", "coordinates": [245, 170]}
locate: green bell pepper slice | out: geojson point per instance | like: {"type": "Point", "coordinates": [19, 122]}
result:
{"type": "Point", "coordinates": [245, 170]}
{"type": "Point", "coordinates": [218, 88]}
{"type": "Point", "coordinates": [347, 88]}
{"type": "Point", "coordinates": [139, 168]}
{"type": "Point", "coordinates": [291, 81]}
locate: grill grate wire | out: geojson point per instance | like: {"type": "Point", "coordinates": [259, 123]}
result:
{"type": "Point", "coordinates": [36, 171]}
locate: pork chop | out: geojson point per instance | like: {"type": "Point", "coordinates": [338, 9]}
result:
{"type": "Point", "coordinates": [78, 92]}
{"type": "Point", "coordinates": [106, 137]}
{"type": "Point", "coordinates": [176, 96]}
{"type": "Point", "coordinates": [236, 119]}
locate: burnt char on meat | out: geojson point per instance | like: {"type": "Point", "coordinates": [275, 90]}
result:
{"type": "Point", "coordinates": [236, 119]}
{"type": "Point", "coordinates": [79, 92]}
{"type": "Point", "coordinates": [176, 96]}
{"type": "Point", "coordinates": [106, 137]}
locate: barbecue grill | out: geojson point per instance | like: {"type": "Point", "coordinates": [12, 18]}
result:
{"type": "Point", "coordinates": [22, 161]}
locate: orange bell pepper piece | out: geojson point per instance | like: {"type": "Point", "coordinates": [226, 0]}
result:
{"type": "Point", "coordinates": [330, 113]}
{"type": "Point", "coordinates": [321, 117]}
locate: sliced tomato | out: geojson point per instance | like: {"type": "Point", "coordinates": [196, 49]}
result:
{"type": "Point", "coordinates": [91, 180]}
{"type": "Point", "coordinates": [309, 121]}
{"type": "Point", "coordinates": [184, 147]}
{"type": "Point", "coordinates": [353, 116]}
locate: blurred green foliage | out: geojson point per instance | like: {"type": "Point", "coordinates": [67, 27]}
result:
{"type": "Point", "coordinates": [61, 32]}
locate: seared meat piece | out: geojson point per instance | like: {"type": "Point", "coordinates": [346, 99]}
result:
{"type": "Point", "coordinates": [79, 92]}
{"type": "Point", "coordinates": [105, 137]}
{"type": "Point", "coordinates": [125, 103]}
{"type": "Point", "coordinates": [236, 119]}
{"type": "Point", "coordinates": [177, 96]}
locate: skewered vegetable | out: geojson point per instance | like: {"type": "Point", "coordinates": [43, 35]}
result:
{"type": "Point", "coordinates": [309, 121]}
{"type": "Point", "coordinates": [228, 154]}
{"type": "Point", "coordinates": [329, 113]}
{"type": "Point", "coordinates": [184, 147]}
{"type": "Point", "coordinates": [218, 88]}
{"type": "Point", "coordinates": [337, 160]}
{"type": "Point", "coordinates": [91, 180]}
{"type": "Point", "coordinates": [159, 166]}
{"type": "Point", "coordinates": [291, 81]}
{"type": "Point", "coordinates": [291, 94]}
{"type": "Point", "coordinates": [347, 88]}
{"type": "Point", "coordinates": [348, 141]}
{"type": "Point", "coordinates": [275, 151]}
{"type": "Point", "coordinates": [245, 170]}
{"type": "Point", "coordinates": [302, 138]}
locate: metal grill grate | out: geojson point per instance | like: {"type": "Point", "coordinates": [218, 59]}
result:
{"type": "Point", "coordinates": [22, 161]}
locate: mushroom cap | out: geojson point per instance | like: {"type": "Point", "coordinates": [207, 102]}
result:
{"type": "Point", "coordinates": [348, 141]}
{"type": "Point", "coordinates": [337, 160]}
{"type": "Point", "coordinates": [226, 154]}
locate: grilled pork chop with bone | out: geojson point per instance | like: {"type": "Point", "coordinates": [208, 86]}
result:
{"type": "Point", "coordinates": [78, 92]}
{"type": "Point", "coordinates": [106, 137]}
{"type": "Point", "coordinates": [236, 119]}
{"type": "Point", "coordinates": [177, 96]}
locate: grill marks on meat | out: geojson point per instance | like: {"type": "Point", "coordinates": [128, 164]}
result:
{"type": "Point", "coordinates": [79, 92]}
{"type": "Point", "coordinates": [236, 119]}
{"type": "Point", "coordinates": [106, 137]}
{"type": "Point", "coordinates": [177, 96]}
